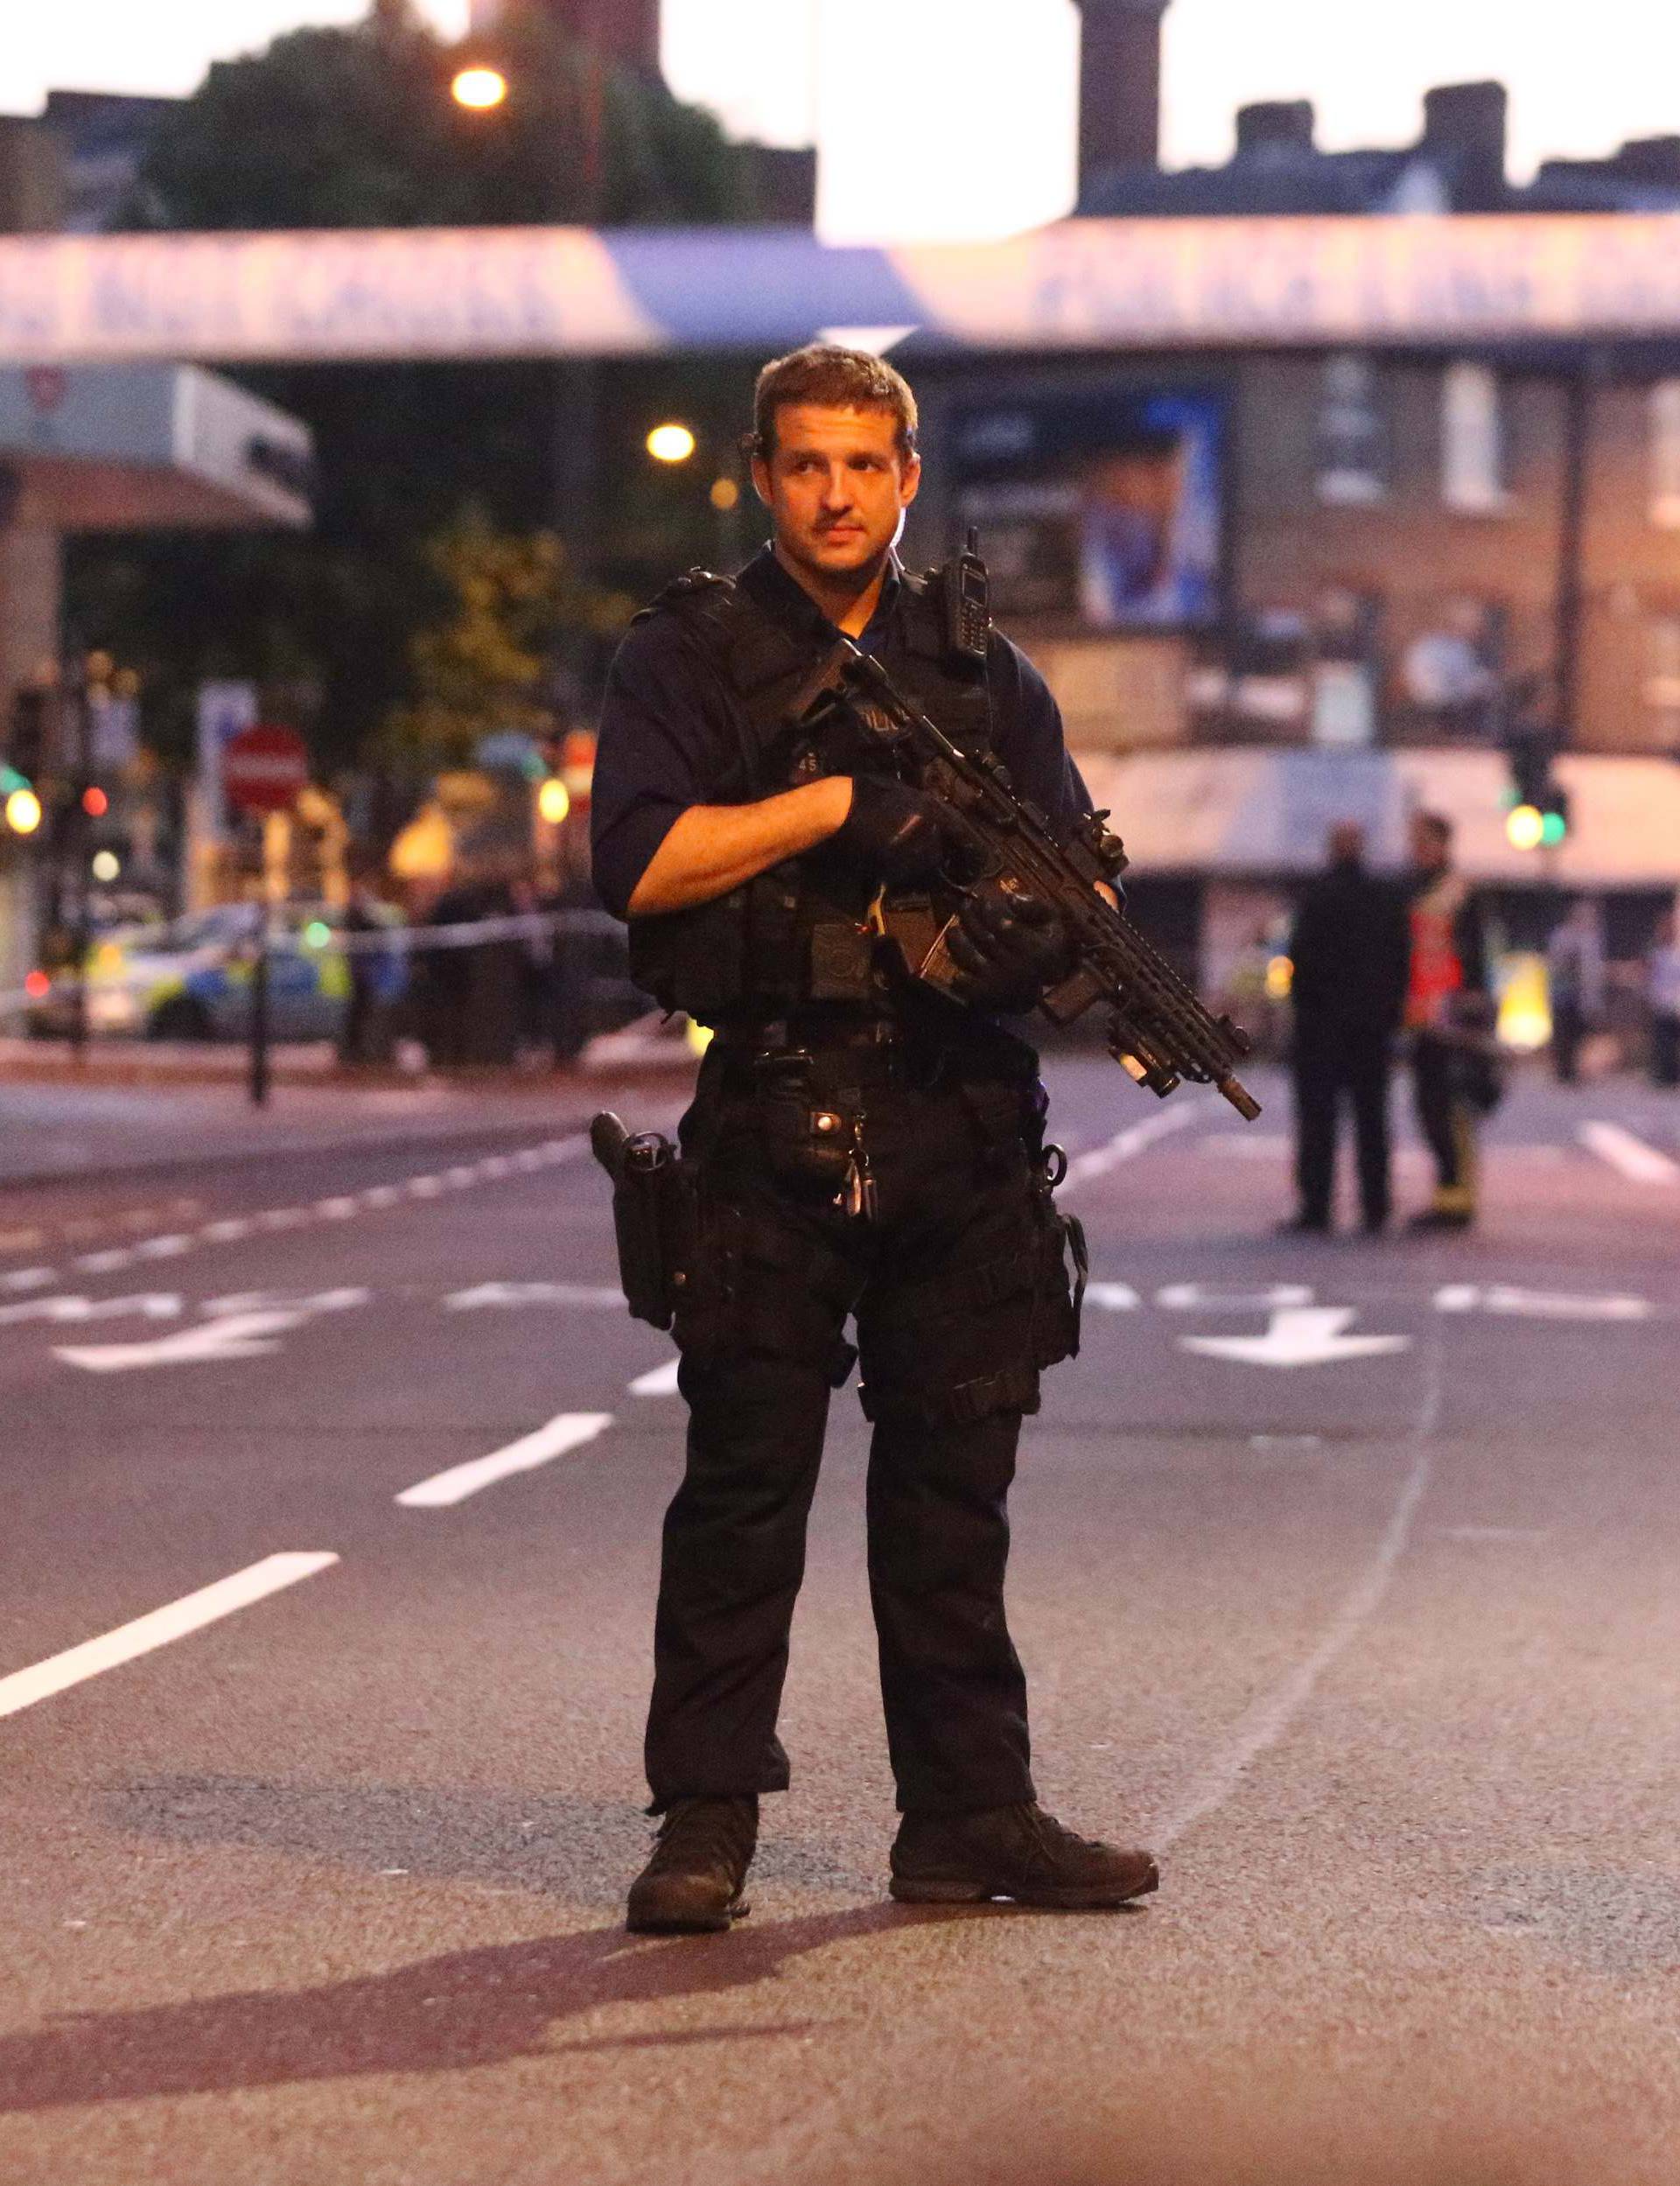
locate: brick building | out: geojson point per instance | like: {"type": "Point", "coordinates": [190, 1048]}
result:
{"type": "Point", "coordinates": [1276, 589]}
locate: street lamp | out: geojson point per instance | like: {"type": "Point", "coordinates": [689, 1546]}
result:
{"type": "Point", "coordinates": [480, 88]}
{"type": "Point", "coordinates": [671, 444]}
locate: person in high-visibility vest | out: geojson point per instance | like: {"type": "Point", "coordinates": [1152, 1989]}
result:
{"type": "Point", "coordinates": [1448, 1015]}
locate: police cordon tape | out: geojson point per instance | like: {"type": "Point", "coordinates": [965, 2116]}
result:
{"type": "Point", "coordinates": [418, 941]}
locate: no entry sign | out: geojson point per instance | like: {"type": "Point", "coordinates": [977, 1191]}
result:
{"type": "Point", "coordinates": [265, 769]}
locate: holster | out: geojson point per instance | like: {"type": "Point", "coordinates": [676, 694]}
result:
{"type": "Point", "coordinates": [653, 1216]}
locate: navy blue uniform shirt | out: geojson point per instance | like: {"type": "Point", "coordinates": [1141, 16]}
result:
{"type": "Point", "coordinates": [668, 727]}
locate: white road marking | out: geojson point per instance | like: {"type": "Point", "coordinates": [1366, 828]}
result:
{"type": "Point", "coordinates": [568, 1432]}
{"type": "Point", "coordinates": [591, 1295]}
{"type": "Point", "coordinates": [1268, 1722]}
{"type": "Point", "coordinates": [230, 1230]}
{"type": "Point", "coordinates": [1112, 1297]}
{"type": "Point", "coordinates": [1505, 1298]}
{"type": "Point", "coordinates": [1304, 1336]}
{"type": "Point", "coordinates": [190, 1614]}
{"type": "Point", "coordinates": [237, 1336]}
{"type": "Point", "coordinates": [1200, 1298]}
{"type": "Point", "coordinates": [308, 1302]}
{"type": "Point", "coordinates": [1085, 1169]}
{"type": "Point", "coordinates": [1495, 1532]}
{"type": "Point", "coordinates": [661, 1381]}
{"type": "Point", "coordinates": [1635, 1160]}
{"type": "Point", "coordinates": [154, 1306]}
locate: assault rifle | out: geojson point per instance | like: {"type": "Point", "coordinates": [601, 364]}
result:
{"type": "Point", "coordinates": [1159, 1030]}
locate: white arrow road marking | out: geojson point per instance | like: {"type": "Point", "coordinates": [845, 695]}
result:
{"type": "Point", "coordinates": [1640, 1164]}
{"type": "Point", "coordinates": [190, 1614]}
{"type": "Point", "coordinates": [236, 1336]}
{"type": "Point", "coordinates": [1505, 1298]}
{"type": "Point", "coordinates": [1303, 1336]}
{"type": "Point", "coordinates": [567, 1433]}
{"type": "Point", "coordinates": [534, 1294]}
{"type": "Point", "coordinates": [152, 1306]}
{"type": "Point", "coordinates": [659, 1382]}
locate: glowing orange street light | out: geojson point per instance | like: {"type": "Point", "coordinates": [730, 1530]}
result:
{"type": "Point", "coordinates": [671, 444]}
{"type": "Point", "coordinates": [479, 89]}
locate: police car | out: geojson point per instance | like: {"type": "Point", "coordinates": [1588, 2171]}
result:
{"type": "Point", "coordinates": [193, 980]}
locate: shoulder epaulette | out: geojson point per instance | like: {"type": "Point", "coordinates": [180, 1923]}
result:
{"type": "Point", "coordinates": [693, 586]}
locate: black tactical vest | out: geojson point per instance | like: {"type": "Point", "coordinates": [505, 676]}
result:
{"type": "Point", "coordinates": [805, 931]}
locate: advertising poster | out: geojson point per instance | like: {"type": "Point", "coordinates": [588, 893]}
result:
{"type": "Point", "coordinates": [1106, 506]}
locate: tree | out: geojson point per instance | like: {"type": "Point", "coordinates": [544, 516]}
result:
{"type": "Point", "coordinates": [485, 663]}
{"type": "Point", "coordinates": [336, 128]}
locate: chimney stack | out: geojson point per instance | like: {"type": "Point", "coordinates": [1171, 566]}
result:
{"type": "Point", "coordinates": [1272, 127]}
{"type": "Point", "coordinates": [1468, 122]}
{"type": "Point", "coordinates": [1119, 86]}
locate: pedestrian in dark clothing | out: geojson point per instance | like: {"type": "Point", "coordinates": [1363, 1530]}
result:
{"type": "Point", "coordinates": [1575, 969]}
{"type": "Point", "coordinates": [1350, 954]}
{"type": "Point", "coordinates": [1663, 997]}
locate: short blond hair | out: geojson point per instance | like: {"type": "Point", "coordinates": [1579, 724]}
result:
{"type": "Point", "coordinates": [837, 379]}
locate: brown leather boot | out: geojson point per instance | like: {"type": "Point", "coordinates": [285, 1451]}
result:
{"type": "Point", "coordinates": [1014, 1852]}
{"type": "Point", "coordinates": [692, 1885]}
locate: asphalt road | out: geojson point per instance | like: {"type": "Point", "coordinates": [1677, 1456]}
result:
{"type": "Point", "coordinates": [1344, 1574]}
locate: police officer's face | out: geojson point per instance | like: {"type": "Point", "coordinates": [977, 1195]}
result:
{"type": "Point", "coordinates": [838, 487]}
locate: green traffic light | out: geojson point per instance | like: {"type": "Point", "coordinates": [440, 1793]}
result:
{"type": "Point", "coordinates": [1554, 829]}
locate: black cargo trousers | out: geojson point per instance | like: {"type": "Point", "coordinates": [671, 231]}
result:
{"type": "Point", "coordinates": [965, 1283]}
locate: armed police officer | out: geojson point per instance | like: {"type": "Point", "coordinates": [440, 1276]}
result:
{"type": "Point", "coordinates": [859, 1145]}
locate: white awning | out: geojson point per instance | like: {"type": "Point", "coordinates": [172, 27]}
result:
{"type": "Point", "coordinates": [137, 447]}
{"type": "Point", "coordinates": [1263, 813]}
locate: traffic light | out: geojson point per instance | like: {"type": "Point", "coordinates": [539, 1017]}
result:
{"type": "Point", "coordinates": [29, 738]}
{"type": "Point", "coordinates": [1538, 814]}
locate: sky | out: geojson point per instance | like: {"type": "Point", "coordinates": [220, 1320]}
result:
{"type": "Point", "coordinates": [954, 118]}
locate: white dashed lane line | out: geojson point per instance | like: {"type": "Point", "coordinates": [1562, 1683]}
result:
{"type": "Point", "coordinates": [1629, 1155]}
{"type": "Point", "coordinates": [562, 1435]}
{"type": "Point", "coordinates": [190, 1614]}
{"type": "Point", "coordinates": [339, 1206]}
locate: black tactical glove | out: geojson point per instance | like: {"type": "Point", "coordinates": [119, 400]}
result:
{"type": "Point", "coordinates": [1010, 948]}
{"type": "Point", "coordinates": [899, 835]}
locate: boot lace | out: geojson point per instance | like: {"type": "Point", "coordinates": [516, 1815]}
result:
{"type": "Point", "coordinates": [706, 1834]}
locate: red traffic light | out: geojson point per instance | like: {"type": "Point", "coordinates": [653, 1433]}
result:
{"type": "Point", "coordinates": [95, 803]}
